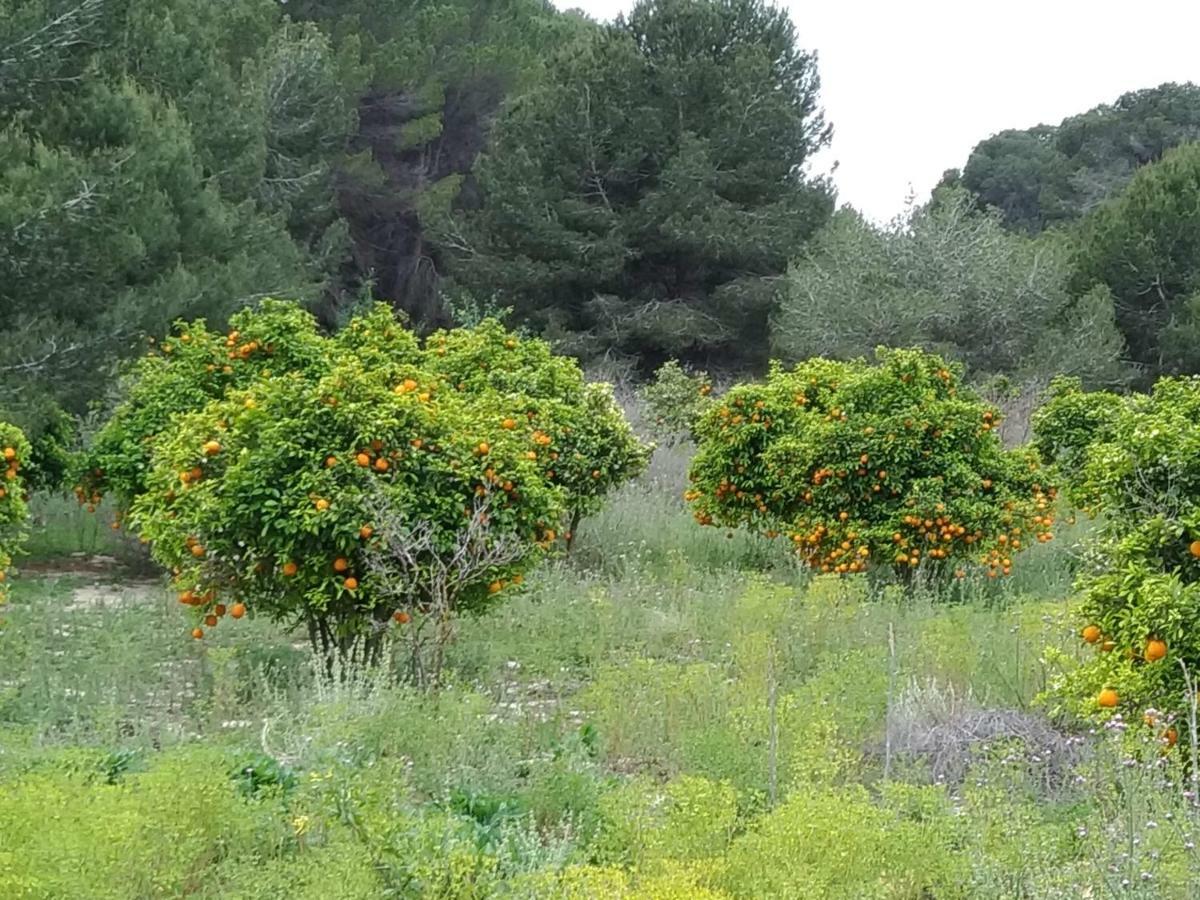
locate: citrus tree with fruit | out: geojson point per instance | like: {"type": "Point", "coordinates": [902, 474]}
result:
{"type": "Point", "coordinates": [893, 468]}
{"type": "Point", "coordinates": [14, 450]}
{"type": "Point", "coordinates": [582, 440]}
{"type": "Point", "coordinates": [348, 482]}
{"type": "Point", "coordinates": [1136, 460]}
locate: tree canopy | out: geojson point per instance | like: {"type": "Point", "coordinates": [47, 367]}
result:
{"type": "Point", "coordinates": [646, 196]}
{"type": "Point", "coordinates": [1050, 175]}
{"type": "Point", "coordinates": [949, 278]}
{"type": "Point", "coordinates": [1144, 247]}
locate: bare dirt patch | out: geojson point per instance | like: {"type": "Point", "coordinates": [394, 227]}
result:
{"type": "Point", "coordinates": [100, 594]}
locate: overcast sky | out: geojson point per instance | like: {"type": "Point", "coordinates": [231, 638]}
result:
{"type": "Point", "coordinates": [911, 87]}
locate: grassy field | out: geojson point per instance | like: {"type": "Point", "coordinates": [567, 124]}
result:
{"type": "Point", "coordinates": [672, 712]}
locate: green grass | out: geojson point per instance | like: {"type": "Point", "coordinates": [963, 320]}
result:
{"type": "Point", "coordinates": [669, 713]}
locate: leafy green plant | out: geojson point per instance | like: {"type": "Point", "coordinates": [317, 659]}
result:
{"type": "Point", "coordinates": [588, 448]}
{"type": "Point", "coordinates": [14, 450]}
{"type": "Point", "coordinates": [182, 374]}
{"type": "Point", "coordinates": [677, 398]}
{"type": "Point", "coordinates": [894, 466]}
{"type": "Point", "coordinates": [1136, 460]}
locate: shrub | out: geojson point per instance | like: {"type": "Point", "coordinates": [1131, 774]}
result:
{"type": "Point", "coordinates": [893, 466]}
{"type": "Point", "coordinates": [154, 833]}
{"type": "Point", "coordinates": [281, 518]}
{"type": "Point", "coordinates": [677, 398]}
{"type": "Point", "coordinates": [823, 843]}
{"type": "Point", "coordinates": [51, 440]}
{"type": "Point", "coordinates": [340, 482]}
{"type": "Point", "coordinates": [1137, 460]}
{"type": "Point", "coordinates": [1067, 423]}
{"type": "Point", "coordinates": [14, 450]}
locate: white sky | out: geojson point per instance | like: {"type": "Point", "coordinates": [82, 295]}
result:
{"type": "Point", "coordinates": [911, 87]}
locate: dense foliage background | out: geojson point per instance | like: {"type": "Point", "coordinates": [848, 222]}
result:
{"type": "Point", "coordinates": [636, 190]}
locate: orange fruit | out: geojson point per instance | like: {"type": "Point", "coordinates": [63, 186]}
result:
{"type": "Point", "coordinates": [219, 609]}
{"type": "Point", "coordinates": [1170, 737]}
{"type": "Point", "coordinates": [400, 616]}
{"type": "Point", "coordinates": [1194, 547]}
{"type": "Point", "coordinates": [290, 568]}
{"type": "Point", "coordinates": [351, 583]}
{"type": "Point", "coordinates": [197, 633]}
{"type": "Point", "coordinates": [1155, 650]}
{"type": "Point", "coordinates": [1091, 633]}
{"type": "Point", "coordinates": [381, 464]}
{"type": "Point", "coordinates": [330, 462]}
{"type": "Point", "coordinates": [1108, 698]}
{"type": "Point", "coordinates": [237, 610]}
{"type": "Point", "coordinates": [321, 503]}
{"type": "Point", "coordinates": [197, 473]}
{"type": "Point", "coordinates": [197, 551]}
{"type": "Point", "coordinates": [341, 564]}
{"type": "Point", "coordinates": [212, 448]}
{"type": "Point", "coordinates": [365, 532]}
{"type": "Point", "coordinates": [1108, 646]}
{"type": "Point", "coordinates": [210, 620]}
{"type": "Point", "coordinates": [10, 453]}
{"type": "Point", "coordinates": [483, 448]}
{"type": "Point", "coordinates": [363, 460]}
{"type": "Point", "coordinates": [495, 587]}
{"type": "Point", "coordinates": [509, 424]}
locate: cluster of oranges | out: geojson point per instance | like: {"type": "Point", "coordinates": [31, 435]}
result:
{"type": "Point", "coordinates": [217, 611]}
{"type": "Point", "coordinates": [375, 457]}
{"type": "Point", "coordinates": [731, 418]}
{"type": "Point", "coordinates": [92, 500]}
{"type": "Point", "coordinates": [933, 538]}
{"type": "Point", "coordinates": [409, 386]}
{"type": "Point", "coordinates": [236, 350]}
{"type": "Point", "coordinates": [1154, 650]}
{"type": "Point", "coordinates": [500, 584]}
{"type": "Point", "coordinates": [821, 550]}
{"type": "Point", "coordinates": [727, 492]}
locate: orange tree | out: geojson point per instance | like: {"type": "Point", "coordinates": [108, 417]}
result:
{"type": "Point", "coordinates": [299, 488]}
{"type": "Point", "coordinates": [581, 438]}
{"type": "Point", "coordinates": [890, 468]}
{"type": "Point", "coordinates": [1136, 462]}
{"type": "Point", "coordinates": [14, 450]}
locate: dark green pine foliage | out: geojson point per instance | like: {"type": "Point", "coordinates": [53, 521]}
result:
{"type": "Point", "coordinates": [1144, 246]}
{"type": "Point", "coordinates": [153, 157]}
{"type": "Point", "coordinates": [428, 79]}
{"type": "Point", "coordinates": [1050, 175]}
{"type": "Point", "coordinates": [645, 197]}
